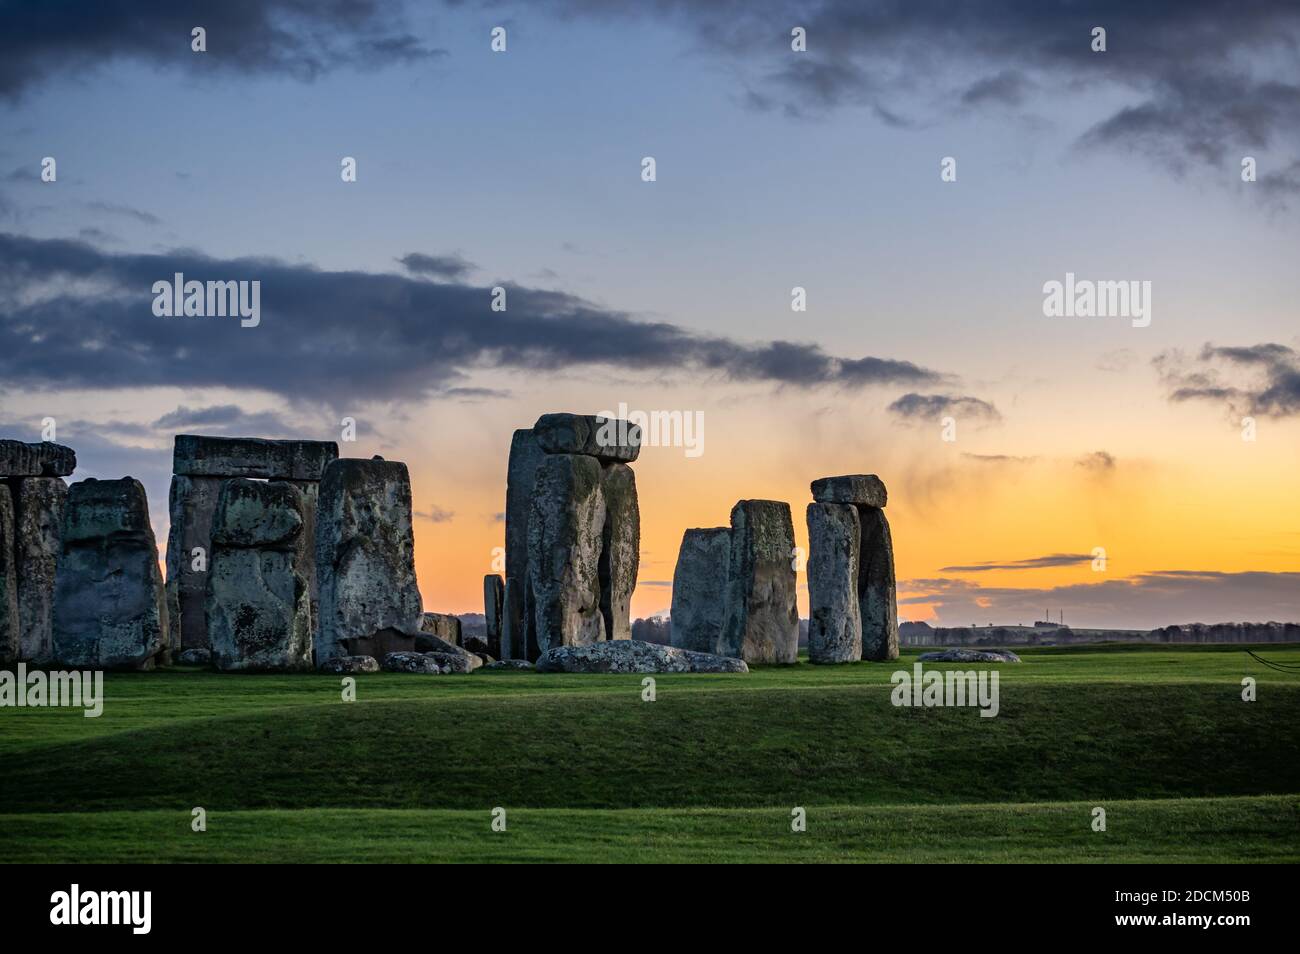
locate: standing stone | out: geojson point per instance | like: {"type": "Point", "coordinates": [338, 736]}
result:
{"type": "Point", "coordinates": [365, 560]}
{"type": "Point", "coordinates": [310, 490]}
{"type": "Point", "coordinates": [876, 589]}
{"type": "Point", "coordinates": [526, 456]}
{"type": "Point", "coordinates": [762, 615]}
{"type": "Point", "coordinates": [109, 610]}
{"type": "Point", "coordinates": [699, 610]}
{"type": "Point", "coordinates": [39, 504]}
{"type": "Point", "coordinates": [192, 503]}
{"type": "Point", "coordinates": [564, 547]}
{"type": "Point", "coordinates": [834, 616]}
{"type": "Point", "coordinates": [494, 597]}
{"type": "Point", "coordinates": [620, 554]}
{"type": "Point", "coordinates": [443, 625]}
{"type": "Point", "coordinates": [258, 606]}
{"type": "Point", "coordinates": [9, 640]}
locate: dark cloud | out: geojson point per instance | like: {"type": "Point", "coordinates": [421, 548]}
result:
{"type": "Point", "coordinates": [436, 514]}
{"type": "Point", "coordinates": [449, 267]}
{"type": "Point", "coordinates": [1262, 379]}
{"type": "Point", "coordinates": [932, 407]}
{"type": "Point", "coordinates": [1007, 88]}
{"type": "Point", "coordinates": [1033, 563]}
{"type": "Point", "coordinates": [226, 420]}
{"type": "Point", "coordinates": [124, 211]}
{"type": "Point", "coordinates": [1144, 601]}
{"type": "Point", "coordinates": [278, 37]}
{"type": "Point", "coordinates": [1098, 462]}
{"type": "Point", "coordinates": [72, 315]}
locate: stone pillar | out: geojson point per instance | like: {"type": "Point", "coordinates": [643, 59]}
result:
{"type": "Point", "coordinates": [620, 554]}
{"type": "Point", "coordinates": [109, 609]}
{"type": "Point", "coordinates": [834, 617]}
{"type": "Point", "coordinates": [525, 457]}
{"type": "Point", "coordinates": [39, 504]}
{"type": "Point", "coordinates": [762, 614]}
{"type": "Point", "coordinates": [258, 605]}
{"type": "Point", "coordinates": [9, 630]}
{"type": "Point", "coordinates": [699, 610]}
{"type": "Point", "coordinates": [200, 465]}
{"type": "Point", "coordinates": [877, 596]}
{"type": "Point", "coordinates": [365, 561]}
{"type": "Point", "coordinates": [494, 597]}
{"type": "Point", "coordinates": [564, 548]}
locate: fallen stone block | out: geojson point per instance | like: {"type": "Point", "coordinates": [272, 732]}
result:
{"type": "Point", "coordinates": [198, 456]}
{"type": "Point", "coordinates": [365, 559]}
{"type": "Point", "coordinates": [443, 625]}
{"type": "Point", "coordinates": [633, 656]}
{"type": "Point", "coordinates": [194, 657]}
{"type": "Point", "coordinates": [970, 656]}
{"type": "Point", "coordinates": [522, 665]}
{"type": "Point", "coordinates": [762, 623]}
{"type": "Point", "coordinates": [349, 665]}
{"type": "Point", "coordinates": [609, 440]}
{"type": "Point", "coordinates": [863, 490]}
{"type": "Point", "coordinates": [109, 610]}
{"type": "Point", "coordinates": [435, 664]}
{"type": "Point", "coordinates": [564, 548]}
{"type": "Point", "coordinates": [834, 614]}
{"type": "Point", "coordinates": [699, 607]}
{"type": "Point", "coordinates": [258, 607]}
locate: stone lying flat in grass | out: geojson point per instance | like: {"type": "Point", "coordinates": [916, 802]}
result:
{"type": "Point", "coordinates": [633, 655]}
{"type": "Point", "coordinates": [350, 664]}
{"type": "Point", "coordinates": [434, 664]}
{"type": "Point", "coordinates": [970, 656]}
{"type": "Point", "coordinates": [194, 657]}
{"type": "Point", "coordinates": [865, 490]}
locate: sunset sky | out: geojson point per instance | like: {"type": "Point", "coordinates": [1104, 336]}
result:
{"type": "Point", "coordinates": [775, 169]}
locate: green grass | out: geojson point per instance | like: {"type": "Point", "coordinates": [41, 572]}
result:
{"type": "Point", "coordinates": [709, 771]}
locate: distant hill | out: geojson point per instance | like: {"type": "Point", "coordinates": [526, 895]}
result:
{"type": "Point", "coordinates": [922, 634]}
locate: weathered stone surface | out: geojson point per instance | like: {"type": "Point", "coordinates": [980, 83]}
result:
{"type": "Point", "coordinates": [365, 560]}
{"type": "Point", "coordinates": [633, 655]}
{"type": "Point", "coordinates": [310, 490]}
{"type": "Point", "coordinates": [9, 630]}
{"type": "Point", "coordinates": [443, 625]}
{"type": "Point", "coordinates": [346, 665]}
{"type": "Point", "coordinates": [834, 615]}
{"type": "Point", "coordinates": [494, 599]}
{"type": "Point", "coordinates": [197, 456]}
{"type": "Point", "coordinates": [699, 609]}
{"type": "Point", "coordinates": [520, 664]}
{"type": "Point", "coordinates": [109, 610]}
{"type": "Point", "coordinates": [610, 440]}
{"type": "Point", "coordinates": [877, 594]}
{"type": "Point", "coordinates": [194, 657]}
{"type": "Point", "coordinates": [762, 623]}
{"type": "Point", "coordinates": [970, 656]}
{"type": "Point", "coordinates": [620, 554]}
{"type": "Point", "coordinates": [429, 643]}
{"type": "Point", "coordinates": [864, 490]}
{"type": "Point", "coordinates": [564, 546]}
{"type": "Point", "coordinates": [43, 459]}
{"type": "Point", "coordinates": [191, 504]}
{"type": "Point", "coordinates": [38, 517]}
{"type": "Point", "coordinates": [436, 664]}
{"type": "Point", "coordinates": [518, 641]}
{"type": "Point", "coordinates": [258, 607]}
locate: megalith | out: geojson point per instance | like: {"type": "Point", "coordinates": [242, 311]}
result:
{"type": "Point", "coordinates": [564, 549]}
{"type": "Point", "coordinates": [869, 562]}
{"type": "Point", "coordinates": [699, 607]}
{"type": "Point", "coordinates": [258, 606]}
{"type": "Point", "coordinates": [494, 598]}
{"type": "Point", "coordinates": [612, 534]}
{"type": "Point", "coordinates": [200, 466]}
{"type": "Point", "coordinates": [620, 553]}
{"type": "Point", "coordinates": [109, 610]}
{"type": "Point", "coordinates": [38, 513]}
{"type": "Point", "coordinates": [8, 579]}
{"type": "Point", "coordinates": [834, 617]}
{"type": "Point", "coordinates": [443, 625]}
{"type": "Point", "coordinates": [365, 560]}
{"type": "Point", "coordinates": [762, 622]}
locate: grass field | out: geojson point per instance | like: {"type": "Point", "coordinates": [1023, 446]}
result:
{"type": "Point", "coordinates": [587, 771]}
